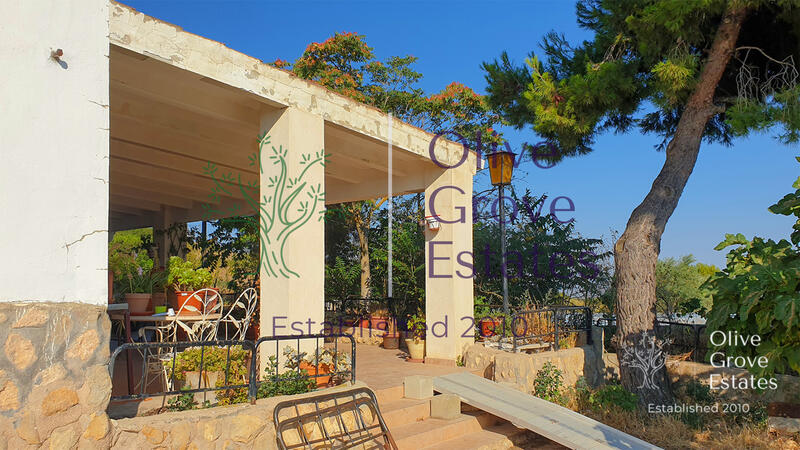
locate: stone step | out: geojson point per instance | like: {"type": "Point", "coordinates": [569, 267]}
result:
{"type": "Point", "coordinates": [498, 437]}
{"type": "Point", "coordinates": [389, 395]}
{"type": "Point", "coordinates": [414, 436]}
{"type": "Point", "coordinates": [404, 411]}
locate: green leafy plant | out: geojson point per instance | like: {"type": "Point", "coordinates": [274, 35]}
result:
{"type": "Point", "coordinates": [757, 294]}
{"type": "Point", "coordinates": [613, 395]}
{"type": "Point", "coordinates": [287, 383]}
{"type": "Point", "coordinates": [214, 359]}
{"type": "Point", "coordinates": [549, 384]}
{"type": "Point", "coordinates": [417, 326]}
{"type": "Point", "coordinates": [185, 275]}
{"type": "Point", "coordinates": [182, 402]}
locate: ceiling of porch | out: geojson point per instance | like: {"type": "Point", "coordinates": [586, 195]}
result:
{"type": "Point", "coordinates": [168, 124]}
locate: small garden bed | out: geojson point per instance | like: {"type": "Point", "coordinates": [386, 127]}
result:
{"type": "Point", "coordinates": [296, 376]}
{"type": "Point", "coordinates": [614, 406]}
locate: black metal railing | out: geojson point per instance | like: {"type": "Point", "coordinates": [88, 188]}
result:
{"type": "Point", "coordinates": [681, 338]}
{"type": "Point", "coordinates": [549, 326]}
{"type": "Point", "coordinates": [161, 360]}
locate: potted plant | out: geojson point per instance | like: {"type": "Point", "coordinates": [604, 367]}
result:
{"type": "Point", "coordinates": [186, 277]}
{"type": "Point", "coordinates": [416, 341]}
{"type": "Point", "coordinates": [322, 363]}
{"type": "Point", "coordinates": [215, 361]}
{"type": "Point", "coordinates": [136, 280]}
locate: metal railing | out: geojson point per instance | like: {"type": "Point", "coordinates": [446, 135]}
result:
{"type": "Point", "coordinates": [161, 360]}
{"type": "Point", "coordinates": [550, 326]}
{"type": "Point", "coordinates": [681, 337]}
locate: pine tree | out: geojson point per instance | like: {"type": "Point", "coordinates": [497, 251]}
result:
{"type": "Point", "coordinates": [687, 70]}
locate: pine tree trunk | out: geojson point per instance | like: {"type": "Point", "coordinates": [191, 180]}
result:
{"type": "Point", "coordinates": [636, 251]}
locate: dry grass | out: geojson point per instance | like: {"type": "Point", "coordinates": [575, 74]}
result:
{"type": "Point", "coordinates": [717, 432]}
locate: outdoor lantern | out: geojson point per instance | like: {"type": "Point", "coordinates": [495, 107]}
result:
{"type": "Point", "coordinates": [501, 165]}
{"type": "Point", "coordinates": [433, 223]}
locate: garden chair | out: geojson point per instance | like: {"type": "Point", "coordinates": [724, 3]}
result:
{"type": "Point", "coordinates": [196, 319]}
{"type": "Point", "coordinates": [234, 324]}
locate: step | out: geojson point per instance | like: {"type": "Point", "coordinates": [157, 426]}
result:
{"type": "Point", "coordinates": [404, 411]}
{"type": "Point", "coordinates": [498, 437]}
{"type": "Point", "coordinates": [431, 431]}
{"type": "Point", "coordinates": [388, 395]}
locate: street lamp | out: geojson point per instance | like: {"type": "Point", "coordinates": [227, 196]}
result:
{"type": "Point", "coordinates": [501, 167]}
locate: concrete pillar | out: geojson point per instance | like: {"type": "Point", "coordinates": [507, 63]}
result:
{"type": "Point", "coordinates": [448, 257]}
{"type": "Point", "coordinates": [292, 264]}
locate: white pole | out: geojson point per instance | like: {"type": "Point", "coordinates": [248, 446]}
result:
{"type": "Point", "coordinates": [389, 197]}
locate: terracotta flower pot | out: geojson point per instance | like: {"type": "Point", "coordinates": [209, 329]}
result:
{"type": "Point", "coordinates": [488, 327]}
{"type": "Point", "coordinates": [186, 297]}
{"type": "Point", "coordinates": [312, 370]}
{"type": "Point", "coordinates": [416, 348]}
{"type": "Point", "coordinates": [137, 303]}
{"type": "Point", "coordinates": [391, 341]}
{"type": "Point", "coordinates": [379, 323]}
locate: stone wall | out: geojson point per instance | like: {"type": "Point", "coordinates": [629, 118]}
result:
{"type": "Point", "coordinates": [519, 370]}
{"type": "Point", "coordinates": [54, 382]}
{"type": "Point", "coordinates": [237, 426]}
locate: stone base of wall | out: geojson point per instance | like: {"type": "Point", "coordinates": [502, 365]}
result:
{"type": "Point", "coordinates": [519, 369]}
{"type": "Point", "coordinates": [54, 382]}
{"type": "Point", "coordinates": [238, 426]}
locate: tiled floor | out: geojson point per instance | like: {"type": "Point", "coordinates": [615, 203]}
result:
{"type": "Point", "coordinates": [381, 368]}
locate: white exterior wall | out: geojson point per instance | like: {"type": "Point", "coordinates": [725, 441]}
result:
{"type": "Point", "coordinates": [54, 135]}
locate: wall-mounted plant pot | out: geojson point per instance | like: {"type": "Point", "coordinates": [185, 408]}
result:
{"type": "Point", "coordinates": [312, 370]}
{"type": "Point", "coordinates": [137, 303]}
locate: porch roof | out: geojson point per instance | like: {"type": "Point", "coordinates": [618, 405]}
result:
{"type": "Point", "coordinates": [179, 101]}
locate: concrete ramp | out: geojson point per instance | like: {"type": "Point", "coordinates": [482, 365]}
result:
{"type": "Point", "coordinates": [554, 422]}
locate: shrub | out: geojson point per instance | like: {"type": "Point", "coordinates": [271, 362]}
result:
{"type": "Point", "coordinates": [549, 383]}
{"type": "Point", "coordinates": [613, 395]}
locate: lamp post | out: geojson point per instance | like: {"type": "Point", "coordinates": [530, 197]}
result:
{"type": "Point", "coordinates": [501, 166]}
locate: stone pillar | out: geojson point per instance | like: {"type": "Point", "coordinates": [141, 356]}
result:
{"type": "Point", "coordinates": [292, 263]}
{"type": "Point", "coordinates": [54, 330]}
{"type": "Point", "coordinates": [448, 261]}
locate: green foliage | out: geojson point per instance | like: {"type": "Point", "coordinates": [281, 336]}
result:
{"type": "Point", "coordinates": [549, 384]}
{"type": "Point", "coordinates": [134, 271]}
{"type": "Point", "coordinates": [186, 275]}
{"type": "Point", "coordinates": [342, 279]}
{"type": "Point", "coordinates": [286, 383]}
{"type": "Point", "coordinates": [678, 289]}
{"type": "Point", "coordinates": [756, 293]}
{"type": "Point", "coordinates": [651, 52]}
{"type": "Point", "coordinates": [181, 402]}
{"type": "Point", "coordinates": [613, 395]}
{"type": "Point", "coordinates": [548, 262]}
{"type": "Point", "coordinates": [214, 359]}
{"type": "Point", "coordinates": [417, 326]}
{"type": "Point", "coordinates": [346, 64]}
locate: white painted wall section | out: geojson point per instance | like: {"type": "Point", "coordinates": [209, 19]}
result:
{"type": "Point", "coordinates": [54, 145]}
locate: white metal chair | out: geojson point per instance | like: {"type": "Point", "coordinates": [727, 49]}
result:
{"type": "Point", "coordinates": [244, 307]}
{"type": "Point", "coordinates": [197, 322]}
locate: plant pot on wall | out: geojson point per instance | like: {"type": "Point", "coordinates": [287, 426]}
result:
{"type": "Point", "coordinates": [312, 370]}
{"type": "Point", "coordinates": [416, 349]}
{"type": "Point", "coordinates": [138, 303]}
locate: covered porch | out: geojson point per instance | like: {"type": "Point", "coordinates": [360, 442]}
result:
{"type": "Point", "coordinates": [200, 132]}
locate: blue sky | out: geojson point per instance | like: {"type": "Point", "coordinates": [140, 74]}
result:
{"type": "Point", "coordinates": [729, 191]}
